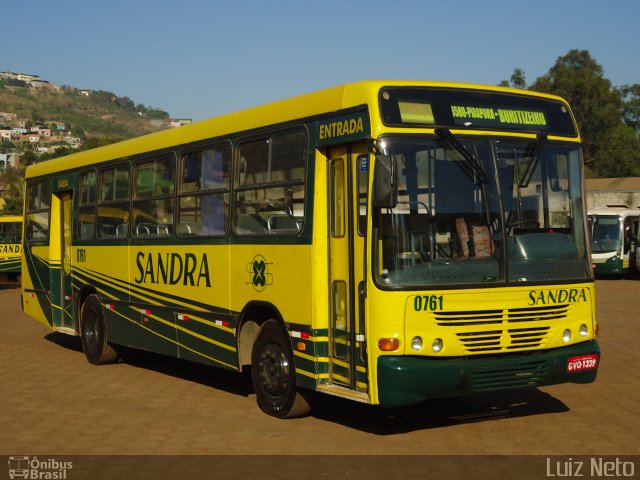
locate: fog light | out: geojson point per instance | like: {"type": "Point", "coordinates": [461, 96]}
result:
{"type": "Point", "coordinates": [437, 345]}
{"type": "Point", "coordinates": [416, 344]}
{"type": "Point", "coordinates": [566, 335]}
{"type": "Point", "coordinates": [388, 344]}
{"type": "Point", "coordinates": [583, 330]}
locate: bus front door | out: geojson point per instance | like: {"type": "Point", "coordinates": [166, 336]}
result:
{"type": "Point", "coordinates": [346, 268]}
{"type": "Point", "coordinates": [60, 257]}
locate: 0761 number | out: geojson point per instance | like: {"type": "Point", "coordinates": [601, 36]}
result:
{"type": "Point", "coordinates": [423, 303]}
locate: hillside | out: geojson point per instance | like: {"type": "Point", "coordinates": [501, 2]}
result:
{"type": "Point", "coordinates": [85, 113]}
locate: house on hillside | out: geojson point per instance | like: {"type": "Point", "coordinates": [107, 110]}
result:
{"type": "Point", "coordinates": [74, 142]}
{"type": "Point", "coordinates": [613, 191]}
{"type": "Point", "coordinates": [45, 85]}
{"type": "Point", "coordinates": [8, 159]}
{"type": "Point", "coordinates": [8, 117]}
{"type": "Point", "coordinates": [42, 131]}
{"type": "Point", "coordinates": [5, 133]}
{"type": "Point", "coordinates": [23, 77]}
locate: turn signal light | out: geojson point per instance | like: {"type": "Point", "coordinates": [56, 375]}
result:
{"type": "Point", "coordinates": [388, 344]}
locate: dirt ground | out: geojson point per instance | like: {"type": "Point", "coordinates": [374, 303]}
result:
{"type": "Point", "coordinates": [54, 402]}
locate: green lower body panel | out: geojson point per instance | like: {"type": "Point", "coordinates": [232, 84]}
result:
{"type": "Point", "coordinates": [613, 266]}
{"type": "Point", "coordinates": [404, 380]}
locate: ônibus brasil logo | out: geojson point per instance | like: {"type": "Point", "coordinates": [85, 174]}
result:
{"type": "Point", "coordinates": [35, 468]}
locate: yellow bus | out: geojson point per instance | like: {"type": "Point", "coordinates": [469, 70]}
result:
{"type": "Point", "coordinates": [383, 241]}
{"type": "Point", "coordinates": [10, 248]}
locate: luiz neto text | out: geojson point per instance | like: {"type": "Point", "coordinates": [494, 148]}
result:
{"type": "Point", "coordinates": [590, 468]}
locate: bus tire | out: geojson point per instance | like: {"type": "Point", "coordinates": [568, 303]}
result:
{"type": "Point", "coordinates": [93, 333]}
{"type": "Point", "coordinates": [273, 374]}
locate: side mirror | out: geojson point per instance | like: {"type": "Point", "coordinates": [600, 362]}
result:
{"type": "Point", "coordinates": [385, 183]}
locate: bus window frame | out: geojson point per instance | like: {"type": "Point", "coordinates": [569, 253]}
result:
{"type": "Point", "coordinates": [225, 192]}
{"type": "Point", "coordinates": [102, 204]}
{"type": "Point", "coordinates": [44, 240]}
{"type": "Point", "coordinates": [87, 208]}
{"type": "Point", "coordinates": [153, 229]}
{"type": "Point", "coordinates": [260, 225]}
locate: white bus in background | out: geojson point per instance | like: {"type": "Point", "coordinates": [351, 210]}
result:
{"type": "Point", "coordinates": [636, 249]}
{"type": "Point", "coordinates": [614, 240]}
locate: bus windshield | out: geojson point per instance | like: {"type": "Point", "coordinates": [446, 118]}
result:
{"type": "Point", "coordinates": [606, 233]}
{"type": "Point", "coordinates": [475, 210]}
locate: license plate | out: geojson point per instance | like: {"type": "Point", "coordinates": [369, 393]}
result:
{"type": "Point", "coordinates": [582, 362]}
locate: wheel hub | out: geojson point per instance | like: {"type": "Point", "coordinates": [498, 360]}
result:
{"type": "Point", "coordinates": [274, 370]}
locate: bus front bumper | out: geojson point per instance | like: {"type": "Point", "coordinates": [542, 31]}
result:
{"type": "Point", "coordinates": [613, 266]}
{"type": "Point", "coordinates": [404, 380]}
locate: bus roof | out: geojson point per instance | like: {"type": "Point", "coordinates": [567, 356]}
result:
{"type": "Point", "coordinates": [333, 99]}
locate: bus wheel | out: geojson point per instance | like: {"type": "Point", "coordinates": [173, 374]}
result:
{"type": "Point", "coordinates": [273, 374]}
{"type": "Point", "coordinates": [93, 334]}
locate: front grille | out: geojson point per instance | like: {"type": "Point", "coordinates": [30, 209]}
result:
{"type": "Point", "coordinates": [527, 373]}
{"type": "Point", "coordinates": [485, 331]}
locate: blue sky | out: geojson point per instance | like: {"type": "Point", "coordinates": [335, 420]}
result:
{"type": "Point", "coordinates": [201, 58]}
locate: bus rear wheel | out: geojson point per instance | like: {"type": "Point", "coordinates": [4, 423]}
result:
{"type": "Point", "coordinates": [93, 333]}
{"type": "Point", "coordinates": [273, 374]}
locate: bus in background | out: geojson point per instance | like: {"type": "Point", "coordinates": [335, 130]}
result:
{"type": "Point", "coordinates": [636, 248]}
{"type": "Point", "coordinates": [10, 248]}
{"type": "Point", "coordinates": [382, 241]}
{"type": "Point", "coordinates": [614, 237]}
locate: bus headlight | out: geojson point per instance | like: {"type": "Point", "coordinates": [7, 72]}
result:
{"type": "Point", "coordinates": [416, 344]}
{"type": "Point", "coordinates": [437, 345]}
{"type": "Point", "coordinates": [583, 330]}
{"type": "Point", "coordinates": [566, 335]}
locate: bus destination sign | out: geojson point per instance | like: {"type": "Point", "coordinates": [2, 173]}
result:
{"type": "Point", "coordinates": [487, 116]}
{"type": "Point", "coordinates": [475, 109]}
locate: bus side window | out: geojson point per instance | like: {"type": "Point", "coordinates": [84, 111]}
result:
{"type": "Point", "coordinates": [37, 214]}
{"type": "Point", "coordinates": [630, 231]}
{"type": "Point", "coordinates": [153, 205]}
{"type": "Point", "coordinates": [113, 202]}
{"type": "Point", "coordinates": [204, 191]}
{"type": "Point", "coordinates": [269, 182]}
{"type": "Point", "coordinates": [87, 206]}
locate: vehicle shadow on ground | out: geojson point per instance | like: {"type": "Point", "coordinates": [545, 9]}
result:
{"type": "Point", "coordinates": [438, 413]}
{"type": "Point", "coordinates": [65, 341]}
{"type": "Point", "coordinates": [225, 380]}
{"type": "Point", "coordinates": [372, 419]}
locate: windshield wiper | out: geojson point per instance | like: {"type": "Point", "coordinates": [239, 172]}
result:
{"type": "Point", "coordinates": [535, 159]}
{"type": "Point", "coordinates": [471, 162]}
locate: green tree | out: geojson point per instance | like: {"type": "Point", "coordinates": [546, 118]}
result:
{"type": "Point", "coordinates": [12, 181]}
{"type": "Point", "coordinates": [517, 80]}
{"type": "Point", "coordinates": [60, 152]}
{"type": "Point", "coordinates": [6, 146]}
{"type": "Point", "coordinates": [28, 156]}
{"type": "Point", "coordinates": [95, 142]}
{"type": "Point", "coordinates": [78, 132]}
{"type": "Point", "coordinates": [631, 105]}
{"type": "Point", "coordinates": [608, 148]}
